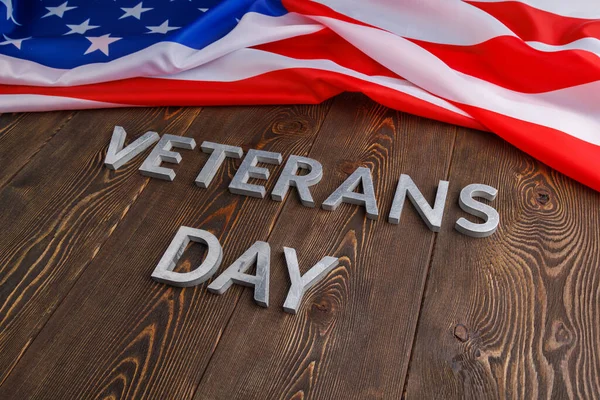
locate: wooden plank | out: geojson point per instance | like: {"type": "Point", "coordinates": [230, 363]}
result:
{"type": "Point", "coordinates": [57, 213]}
{"type": "Point", "coordinates": [22, 135]}
{"type": "Point", "coordinates": [514, 315]}
{"type": "Point", "coordinates": [119, 334]}
{"type": "Point", "coordinates": [354, 331]}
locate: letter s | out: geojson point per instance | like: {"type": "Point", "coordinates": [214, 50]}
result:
{"type": "Point", "coordinates": [473, 207]}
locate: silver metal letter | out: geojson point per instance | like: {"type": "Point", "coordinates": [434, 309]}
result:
{"type": "Point", "coordinates": [248, 169]}
{"type": "Point", "coordinates": [164, 270]}
{"type": "Point", "coordinates": [300, 284]}
{"type": "Point", "coordinates": [259, 253]}
{"type": "Point", "coordinates": [431, 216]}
{"type": "Point", "coordinates": [473, 207]}
{"type": "Point", "coordinates": [217, 152]}
{"type": "Point", "coordinates": [162, 152]}
{"type": "Point", "coordinates": [345, 193]}
{"type": "Point", "coordinates": [289, 178]}
{"type": "Point", "coordinates": [117, 156]}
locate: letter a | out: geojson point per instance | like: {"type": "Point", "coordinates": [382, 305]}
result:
{"type": "Point", "coordinates": [259, 253]}
{"type": "Point", "coordinates": [345, 193]}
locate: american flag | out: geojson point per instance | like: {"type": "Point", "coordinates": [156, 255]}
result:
{"type": "Point", "coordinates": [527, 70]}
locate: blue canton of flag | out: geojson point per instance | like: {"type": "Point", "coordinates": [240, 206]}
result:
{"type": "Point", "coordinates": [67, 34]}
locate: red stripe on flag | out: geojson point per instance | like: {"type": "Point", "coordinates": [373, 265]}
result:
{"type": "Point", "coordinates": [509, 62]}
{"type": "Point", "coordinates": [532, 24]}
{"type": "Point", "coordinates": [289, 86]}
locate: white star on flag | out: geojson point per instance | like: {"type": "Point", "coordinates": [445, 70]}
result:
{"type": "Point", "coordinates": [135, 12]}
{"type": "Point", "coordinates": [100, 43]}
{"type": "Point", "coordinates": [162, 28]}
{"type": "Point", "coordinates": [58, 11]}
{"type": "Point", "coordinates": [81, 28]}
{"type": "Point", "coordinates": [203, 9]}
{"type": "Point", "coordinates": [16, 42]}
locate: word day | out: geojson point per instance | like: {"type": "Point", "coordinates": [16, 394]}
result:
{"type": "Point", "coordinates": [117, 155]}
{"type": "Point", "coordinates": [258, 254]}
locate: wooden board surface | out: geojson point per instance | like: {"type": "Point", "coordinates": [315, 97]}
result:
{"type": "Point", "coordinates": [408, 313]}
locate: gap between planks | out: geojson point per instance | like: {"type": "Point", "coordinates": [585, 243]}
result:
{"type": "Point", "coordinates": [427, 273]}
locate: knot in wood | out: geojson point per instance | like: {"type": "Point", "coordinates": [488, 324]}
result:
{"type": "Point", "coordinates": [461, 333]}
{"type": "Point", "coordinates": [542, 197]}
{"type": "Point", "coordinates": [322, 313]}
{"type": "Point", "coordinates": [562, 334]}
{"type": "Point", "coordinates": [322, 306]}
{"type": "Point", "coordinates": [295, 127]}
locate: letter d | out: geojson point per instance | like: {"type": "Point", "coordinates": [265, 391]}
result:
{"type": "Point", "coordinates": [164, 270]}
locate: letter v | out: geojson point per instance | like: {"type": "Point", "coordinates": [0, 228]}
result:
{"type": "Point", "coordinates": [117, 156]}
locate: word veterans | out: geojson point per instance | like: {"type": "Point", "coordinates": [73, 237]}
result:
{"type": "Point", "coordinates": [117, 155]}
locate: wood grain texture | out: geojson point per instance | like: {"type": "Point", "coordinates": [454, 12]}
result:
{"type": "Point", "coordinates": [352, 335]}
{"type": "Point", "coordinates": [119, 334]}
{"type": "Point", "coordinates": [23, 135]}
{"type": "Point", "coordinates": [58, 211]}
{"type": "Point", "coordinates": [515, 315]}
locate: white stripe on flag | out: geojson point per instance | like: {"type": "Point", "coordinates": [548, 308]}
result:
{"type": "Point", "coordinates": [37, 102]}
{"type": "Point", "coordinates": [589, 44]}
{"type": "Point", "coordinates": [586, 9]}
{"type": "Point", "coordinates": [446, 22]}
